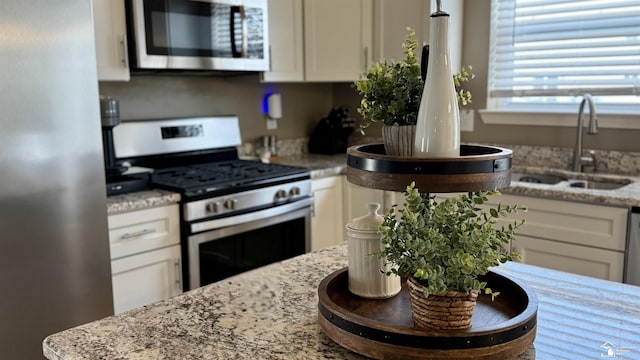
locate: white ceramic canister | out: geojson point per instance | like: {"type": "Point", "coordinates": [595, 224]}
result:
{"type": "Point", "coordinates": [363, 242]}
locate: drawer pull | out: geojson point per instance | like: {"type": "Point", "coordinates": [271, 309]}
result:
{"type": "Point", "coordinates": [178, 268]}
{"type": "Point", "coordinates": [137, 234]}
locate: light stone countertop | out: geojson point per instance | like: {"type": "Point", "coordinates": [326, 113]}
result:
{"type": "Point", "coordinates": [140, 200]}
{"type": "Point", "coordinates": [319, 165]}
{"type": "Point", "coordinates": [271, 313]}
{"type": "Point", "coordinates": [331, 165]}
{"type": "Point", "coordinates": [626, 196]}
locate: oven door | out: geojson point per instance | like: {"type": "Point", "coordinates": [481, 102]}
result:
{"type": "Point", "coordinates": [199, 35]}
{"type": "Point", "coordinates": [236, 244]}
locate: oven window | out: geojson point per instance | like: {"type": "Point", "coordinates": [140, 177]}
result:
{"type": "Point", "coordinates": [238, 253]}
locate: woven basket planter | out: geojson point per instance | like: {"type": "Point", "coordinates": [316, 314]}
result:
{"type": "Point", "coordinates": [447, 310]}
{"type": "Point", "coordinates": [398, 140]}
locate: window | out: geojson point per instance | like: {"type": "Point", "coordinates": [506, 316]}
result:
{"type": "Point", "coordinates": [552, 51]}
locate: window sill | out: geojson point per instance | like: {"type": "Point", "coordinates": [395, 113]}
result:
{"type": "Point", "coordinates": [530, 118]}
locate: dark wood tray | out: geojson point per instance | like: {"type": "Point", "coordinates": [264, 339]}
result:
{"type": "Point", "coordinates": [477, 168]}
{"type": "Point", "coordinates": [383, 329]}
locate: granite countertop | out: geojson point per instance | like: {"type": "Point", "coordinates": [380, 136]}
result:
{"type": "Point", "coordinates": [319, 165]}
{"type": "Point", "coordinates": [628, 195]}
{"type": "Point", "coordinates": [140, 200]}
{"type": "Point", "coordinates": [271, 313]}
{"type": "Point", "coordinates": [332, 165]}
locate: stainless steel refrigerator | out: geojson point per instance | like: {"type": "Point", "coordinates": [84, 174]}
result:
{"type": "Point", "coordinates": [54, 249]}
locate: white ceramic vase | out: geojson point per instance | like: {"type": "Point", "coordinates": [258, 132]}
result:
{"type": "Point", "coordinates": [438, 124]}
{"type": "Point", "coordinates": [363, 243]}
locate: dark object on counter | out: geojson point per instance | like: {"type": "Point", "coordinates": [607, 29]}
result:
{"type": "Point", "coordinates": [110, 118]}
{"type": "Point", "coordinates": [122, 184]}
{"type": "Point", "coordinates": [424, 62]}
{"type": "Point", "coordinates": [332, 132]}
{"type": "Point", "coordinates": [116, 181]}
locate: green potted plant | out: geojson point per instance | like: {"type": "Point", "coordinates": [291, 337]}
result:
{"type": "Point", "coordinates": [391, 92]}
{"type": "Point", "coordinates": [442, 247]}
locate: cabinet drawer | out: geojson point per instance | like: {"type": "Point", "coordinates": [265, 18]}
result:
{"type": "Point", "coordinates": [138, 231]}
{"type": "Point", "coordinates": [146, 278]}
{"type": "Point", "coordinates": [583, 260]}
{"type": "Point", "coordinates": [597, 226]}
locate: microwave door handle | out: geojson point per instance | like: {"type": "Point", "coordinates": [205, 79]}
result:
{"type": "Point", "coordinates": [245, 36]}
{"type": "Point", "coordinates": [232, 27]}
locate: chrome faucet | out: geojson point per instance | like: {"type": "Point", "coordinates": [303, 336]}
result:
{"type": "Point", "coordinates": [578, 160]}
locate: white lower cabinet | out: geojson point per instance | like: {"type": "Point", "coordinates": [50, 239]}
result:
{"type": "Point", "coordinates": [585, 239]}
{"type": "Point", "coordinates": [145, 256]}
{"type": "Point", "coordinates": [356, 199]}
{"type": "Point", "coordinates": [584, 260]}
{"type": "Point", "coordinates": [327, 226]}
{"type": "Point", "coordinates": [145, 278]}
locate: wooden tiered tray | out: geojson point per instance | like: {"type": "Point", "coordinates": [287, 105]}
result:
{"type": "Point", "coordinates": [477, 168]}
{"type": "Point", "coordinates": [383, 329]}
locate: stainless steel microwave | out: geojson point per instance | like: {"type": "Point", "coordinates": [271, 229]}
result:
{"type": "Point", "coordinates": [198, 34]}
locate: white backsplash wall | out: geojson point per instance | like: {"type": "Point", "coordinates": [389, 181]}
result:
{"type": "Point", "coordinates": [167, 96]}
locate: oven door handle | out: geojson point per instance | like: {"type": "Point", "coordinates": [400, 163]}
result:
{"type": "Point", "coordinates": [252, 216]}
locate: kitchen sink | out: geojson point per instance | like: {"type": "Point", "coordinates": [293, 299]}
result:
{"type": "Point", "coordinates": [537, 178]}
{"type": "Point", "coordinates": [597, 185]}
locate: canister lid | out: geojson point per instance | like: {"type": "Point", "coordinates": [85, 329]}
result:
{"type": "Point", "coordinates": [369, 222]}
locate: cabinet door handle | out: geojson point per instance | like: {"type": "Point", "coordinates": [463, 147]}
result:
{"type": "Point", "coordinates": [178, 268]}
{"type": "Point", "coordinates": [313, 206]}
{"type": "Point", "coordinates": [366, 58]}
{"type": "Point", "coordinates": [124, 59]}
{"type": "Point", "coordinates": [137, 234]}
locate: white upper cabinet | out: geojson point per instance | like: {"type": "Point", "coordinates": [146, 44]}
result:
{"type": "Point", "coordinates": [337, 39]}
{"type": "Point", "coordinates": [286, 50]}
{"type": "Point", "coordinates": [319, 40]}
{"type": "Point", "coordinates": [390, 22]}
{"type": "Point", "coordinates": [391, 19]}
{"type": "Point", "coordinates": [111, 40]}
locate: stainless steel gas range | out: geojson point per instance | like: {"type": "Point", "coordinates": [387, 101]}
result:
{"type": "Point", "coordinates": [236, 215]}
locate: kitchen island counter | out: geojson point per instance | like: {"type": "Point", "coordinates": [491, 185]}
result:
{"type": "Point", "coordinates": [271, 313]}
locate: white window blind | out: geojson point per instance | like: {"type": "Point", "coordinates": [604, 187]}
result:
{"type": "Point", "coordinates": [549, 51]}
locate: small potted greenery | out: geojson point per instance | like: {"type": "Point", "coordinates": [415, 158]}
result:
{"type": "Point", "coordinates": [442, 247]}
{"type": "Point", "coordinates": [391, 92]}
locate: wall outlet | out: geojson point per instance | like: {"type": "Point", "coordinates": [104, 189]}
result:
{"type": "Point", "coordinates": [466, 120]}
{"type": "Point", "coordinates": [272, 124]}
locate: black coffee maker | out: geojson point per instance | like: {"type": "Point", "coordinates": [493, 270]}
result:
{"type": "Point", "coordinates": [110, 118]}
{"type": "Point", "coordinates": [117, 181]}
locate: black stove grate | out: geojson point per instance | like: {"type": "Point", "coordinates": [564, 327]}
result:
{"type": "Point", "coordinates": [224, 176]}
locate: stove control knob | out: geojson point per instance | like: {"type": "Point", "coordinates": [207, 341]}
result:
{"type": "Point", "coordinates": [213, 207]}
{"type": "Point", "coordinates": [295, 191]}
{"type": "Point", "coordinates": [281, 195]}
{"type": "Point", "coordinates": [230, 204]}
